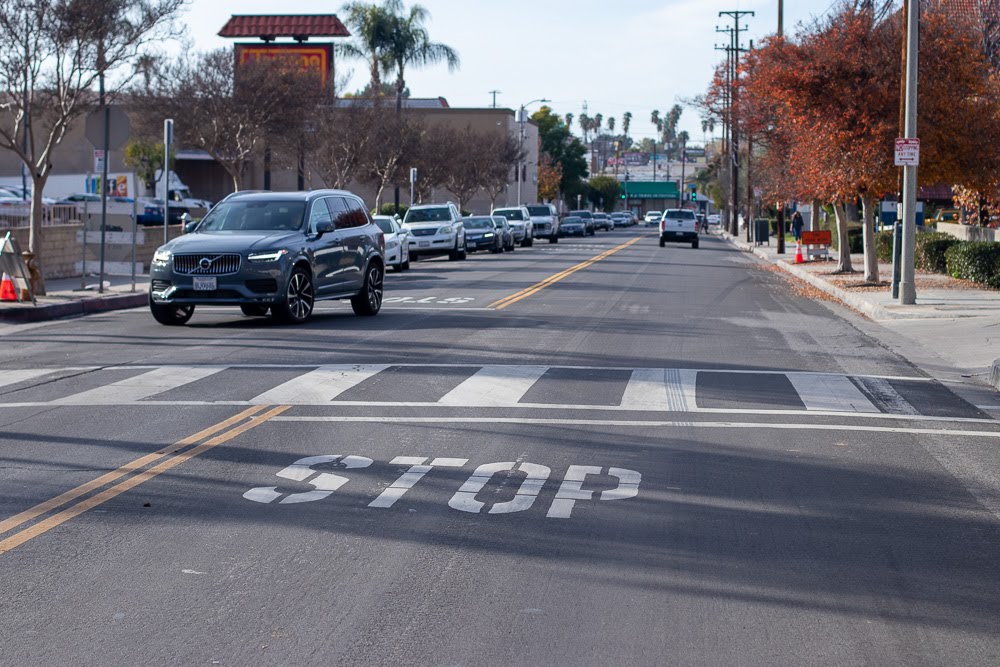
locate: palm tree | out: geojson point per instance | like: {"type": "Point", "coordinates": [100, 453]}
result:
{"type": "Point", "coordinates": [569, 121]}
{"type": "Point", "coordinates": [410, 44]}
{"type": "Point", "coordinates": [584, 121]}
{"type": "Point", "coordinates": [371, 25]}
{"type": "Point", "coordinates": [598, 121]}
{"type": "Point", "coordinates": [707, 125]}
{"type": "Point", "coordinates": [611, 125]}
{"type": "Point", "coordinates": [626, 122]}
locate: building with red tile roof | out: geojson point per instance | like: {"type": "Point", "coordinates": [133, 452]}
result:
{"type": "Point", "coordinates": [271, 26]}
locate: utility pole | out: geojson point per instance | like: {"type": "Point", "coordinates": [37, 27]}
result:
{"type": "Point", "coordinates": [907, 288]}
{"type": "Point", "coordinates": [734, 130]}
{"type": "Point", "coordinates": [494, 93]}
{"type": "Point", "coordinates": [726, 116]}
{"type": "Point", "coordinates": [781, 18]}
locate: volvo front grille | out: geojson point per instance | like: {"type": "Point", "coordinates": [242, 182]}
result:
{"type": "Point", "coordinates": [206, 265]}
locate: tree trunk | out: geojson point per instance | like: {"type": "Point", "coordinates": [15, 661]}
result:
{"type": "Point", "coordinates": [816, 209]}
{"type": "Point", "coordinates": [843, 244]}
{"type": "Point", "coordinates": [400, 85]}
{"type": "Point", "coordinates": [868, 220]}
{"type": "Point", "coordinates": [35, 235]}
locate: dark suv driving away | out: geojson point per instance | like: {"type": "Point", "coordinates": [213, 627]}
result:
{"type": "Point", "coordinates": [277, 251]}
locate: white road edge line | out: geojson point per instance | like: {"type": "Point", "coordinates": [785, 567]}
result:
{"type": "Point", "coordinates": [530, 406]}
{"type": "Point", "coordinates": [646, 424]}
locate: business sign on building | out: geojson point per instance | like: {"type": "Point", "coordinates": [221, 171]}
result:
{"type": "Point", "coordinates": [312, 58]}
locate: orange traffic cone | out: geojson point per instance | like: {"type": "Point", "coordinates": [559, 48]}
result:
{"type": "Point", "coordinates": [7, 291]}
{"type": "Point", "coordinates": [798, 253]}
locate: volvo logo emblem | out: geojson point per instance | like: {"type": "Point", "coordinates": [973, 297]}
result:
{"type": "Point", "coordinates": [205, 263]}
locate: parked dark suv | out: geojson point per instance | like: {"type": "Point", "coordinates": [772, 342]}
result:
{"type": "Point", "coordinates": [277, 251]}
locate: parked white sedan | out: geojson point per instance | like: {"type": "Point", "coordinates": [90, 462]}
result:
{"type": "Point", "coordinates": [397, 242]}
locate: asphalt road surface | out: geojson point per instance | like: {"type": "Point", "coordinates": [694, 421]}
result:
{"type": "Point", "coordinates": [590, 453]}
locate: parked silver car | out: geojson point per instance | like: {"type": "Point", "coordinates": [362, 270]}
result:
{"type": "Point", "coordinates": [435, 229]}
{"type": "Point", "coordinates": [545, 220]}
{"type": "Point", "coordinates": [277, 251]}
{"type": "Point", "coordinates": [520, 223]}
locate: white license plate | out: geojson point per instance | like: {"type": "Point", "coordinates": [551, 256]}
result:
{"type": "Point", "coordinates": [205, 284]}
{"type": "Point", "coordinates": [424, 244]}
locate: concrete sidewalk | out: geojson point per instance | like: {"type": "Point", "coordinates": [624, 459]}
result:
{"type": "Point", "coordinates": [66, 298]}
{"type": "Point", "coordinates": [953, 330]}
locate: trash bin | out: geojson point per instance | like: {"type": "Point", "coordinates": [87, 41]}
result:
{"type": "Point", "coordinates": [762, 231]}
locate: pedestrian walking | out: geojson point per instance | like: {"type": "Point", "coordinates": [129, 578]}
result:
{"type": "Point", "coordinates": [797, 226]}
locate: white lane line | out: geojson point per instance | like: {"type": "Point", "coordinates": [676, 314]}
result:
{"type": "Point", "coordinates": [133, 389]}
{"type": "Point", "coordinates": [645, 424]}
{"type": "Point", "coordinates": [494, 386]}
{"type": "Point", "coordinates": [13, 377]}
{"type": "Point", "coordinates": [318, 387]}
{"type": "Point", "coordinates": [830, 392]}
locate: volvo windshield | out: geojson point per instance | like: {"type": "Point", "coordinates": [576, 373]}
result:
{"type": "Point", "coordinates": [254, 216]}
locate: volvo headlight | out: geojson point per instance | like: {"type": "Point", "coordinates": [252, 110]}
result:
{"type": "Point", "coordinates": [161, 257]}
{"type": "Point", "coordinates": [269, 256]}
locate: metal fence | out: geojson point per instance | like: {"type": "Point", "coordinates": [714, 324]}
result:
{"type": "Point", "coordinates": [16, 216]}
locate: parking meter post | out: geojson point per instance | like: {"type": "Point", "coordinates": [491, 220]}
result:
{"type": "Point", "coordinates": [168, 139]}
{"type": "Point", "coordinates": [135, 231]}
{"type": "Point", "coordinates": [83, 254]}
{"type": "Point", "coordinates": [104, 182]}
{"type": "Point", "coordinates": [897, 256]}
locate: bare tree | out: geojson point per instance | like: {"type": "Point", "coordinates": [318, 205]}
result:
{"type": "Point", "coordinates": [230, 110]}
{"type": "Point", "coordinates": [393, 144]}
{"type": "Point", "coordinates": [343, 132]}
{"type": "Point", "coordinates": [500, 153]}
{"type": "Point", "coordinates": [54, 54]}
{"type": "Point", "coordinates": [433, 160]}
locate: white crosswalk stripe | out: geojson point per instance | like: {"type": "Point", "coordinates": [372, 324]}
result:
{"type": "Point", "coordinates": [317, 387]}
{"type": "Point", "coordinates": [142, 386]}
{"type": "Point", "coordinates": [493, 386]}
{"type": "Point", "coordinates": [834, 393]}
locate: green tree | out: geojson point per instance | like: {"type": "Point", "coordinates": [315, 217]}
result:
{"type": "Point", "coordinates": [604, 192]}
{"type": "Point", "coordinates": [146, 158]}
{"type": "Point", "coordinates": [626, 122]}
{"type": "Point", "coordinates": [409, 44]}
{"type": "Point", "coordinates": [563, 149]}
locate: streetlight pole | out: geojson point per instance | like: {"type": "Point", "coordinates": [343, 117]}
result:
{"type": "Point", "coordinates": [907, 288]}
{"type": "Point", "coordinates": [520, 146]}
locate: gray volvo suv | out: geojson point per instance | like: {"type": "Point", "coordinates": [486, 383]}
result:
{"type": "Point", "coordinates": [277, 251]}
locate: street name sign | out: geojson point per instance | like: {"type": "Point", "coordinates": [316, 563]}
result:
{"type": "Point", "coordinates": [907, 152]}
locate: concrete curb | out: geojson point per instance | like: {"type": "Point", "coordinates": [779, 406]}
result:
{"type": "Point", "coordinates": [78, 307]}
{"type": "Point", "coordinates": [871, 310]}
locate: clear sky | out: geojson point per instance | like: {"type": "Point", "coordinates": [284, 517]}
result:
{"type": "Point", "coordinates": [629, 55]}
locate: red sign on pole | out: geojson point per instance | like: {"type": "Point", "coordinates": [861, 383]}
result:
{"type": "Point", "coordinates": [907, 152]}
{"type": "Point", "coordinates": [315, 58]}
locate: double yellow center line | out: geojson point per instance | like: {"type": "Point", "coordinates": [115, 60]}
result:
{"type": "Point", "coordinates": [164, 459]}
{"type": "Point", "coordinates": [551, 280]}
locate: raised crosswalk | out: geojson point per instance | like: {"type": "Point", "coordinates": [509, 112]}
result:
{"type": "Point", "coordinates": [490, 386]}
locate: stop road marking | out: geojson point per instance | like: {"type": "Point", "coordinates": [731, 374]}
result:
{"type": "Point", "coordinates": [570, 489]}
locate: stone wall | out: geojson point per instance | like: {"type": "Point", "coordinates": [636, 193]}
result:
{"type": "Point", "coordinates": [63, 252]}
{"type": "Point", "coordinates": [968, 232]}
